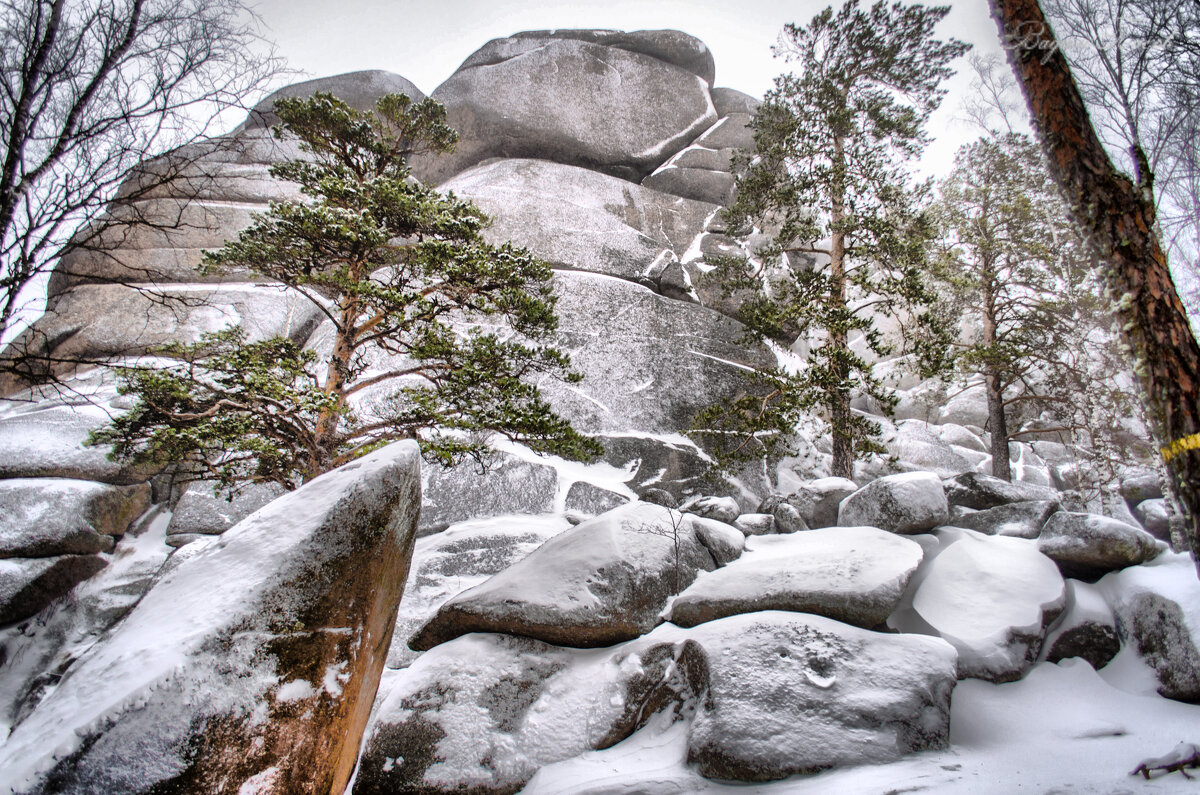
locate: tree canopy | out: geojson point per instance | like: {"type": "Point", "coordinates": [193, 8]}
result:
{"type": "Point", "coordinates": [828, 183]}
{"type": "Point", "coordinates": [430, 332]}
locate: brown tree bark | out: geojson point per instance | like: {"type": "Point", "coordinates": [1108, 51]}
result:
{"type": "Point", "coordinates": [1117, 217]}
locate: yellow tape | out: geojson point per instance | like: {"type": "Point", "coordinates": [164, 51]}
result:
{"type": "Point", "coordinates": [1180, 445]}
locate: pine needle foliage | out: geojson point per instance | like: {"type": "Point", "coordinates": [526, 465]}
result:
{"type": "Point", "coordinates": [430, 333]}
{"type": "Point", "coordinates": [829, 185]}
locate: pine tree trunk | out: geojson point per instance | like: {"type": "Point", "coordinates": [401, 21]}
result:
{"type": "Point", "coordinates": [839, 399]}
{"type": "Point", "coordinates": [998, 428]}
{"type": "Point", "coordinates": [1118, 220]}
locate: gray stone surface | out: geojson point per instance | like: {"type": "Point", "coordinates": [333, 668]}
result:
{"type": "Point", "coordinates": [200, 511]}
{"type": "Point", "coordinates": [905, 503]}
{"type": "Point", "coordinates": [48, 440]}
{"type": "Point", "coordinates": [1141, 484]}
{"type": "Point", "coordinates": [818, 500]}
{"type": "Point", "coordinates": [110, 321]}
{"type": "Point", "coordinates": [729, 101]}
{"type": "Point", "coordinates": [715, 186]}
{"type": "Point", "coordinates": [601, 582]}
{"type": "Point", "coordinates": [579, 219]}
{"type": "Point", "coordinates": [1088, 545]}
{"type": "Point", "coordinates": [29, 584]}
{"type": "Point", "coordinates": [523, 101]}
{"type": "Point", "coordinates": [723, 509]}
{"type": "Point", "coordinates": [756, 524]}
{"type": "Point", "coordinates": [723, 541]}
{"type": "Point", "coordinates": [979, 491]}
{"type": "Point", "coordinates": [510, 485]}
{"type": "Point", "coordinates": [248, 655]}
{"type": "Point", "coordinates": [791, 693]}
{"type": "Point", "coordinates": [1021, 519]}
{"type": "Point", "coordinates": [590, 499]}
{"type": "Point", "coordinates": [850, 574]}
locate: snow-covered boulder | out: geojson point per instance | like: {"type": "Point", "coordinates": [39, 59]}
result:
{"type": "Point", "coordinates": [851, 574]}
{"type": "Point", "coordinates": [919, 449]}
{"type": "Point", "coordinates": [968, 407]}
{"type": "Point", "coordinates": [447, 563]}
{"type": "Point", "coordinates": [723, 509]}
{"type": "Point", "coordinates": [254, 662]}
{"type": "Point", "coordinates": [792, 693]}
{"type": "Point", "coordinates": [1158, 612]}
{"type": "Point", "coordinates": [904, 503]}
{"type": "Point", "coordinates": [29, 584]}
{"type": "Point", "coordinates": [510, 484]}
{"type": "Point", "coordinates": [1088, 545]}
{"type": "Point", "coordinates": [483, 712]}
{"type": "Point", "coordinates": [40, 517]}
{"type": "Point", "coordinates": [979, 491]}
{"type": "Point", "coordinates": [1138, 485]}
{"type": "Point", "coordinates": [520, 97]}
{"type": "Point", "coordinates": [1021, 519]}
{"type": "Point", "coordinates": [49, 440]}
{"type": "Point", "coordinates": [755, 524]}
{"type": "Point", "coordinates": [203, 511]}
{"type": "Point", "coordinates": [580, 219]}
{"type": "Point", "coordinates": [601, 582]}
{"type": "Point", "coordinates": [818, 500]}
{"type": "Point", "coordinates": [1152, 515]}
{"type": "Point", "coordinates": [992, 597]}
{"type": "Point", "coordinates": [723, 541]}
{"type": "Point", "coordinates": [714, 185]}
{"type": "Point", "coordinates": [1087, 629]}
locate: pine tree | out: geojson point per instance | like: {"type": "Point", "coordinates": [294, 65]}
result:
{"type": "Point", "coordinates": [434, 333]}
{"type": "Point", "coordinates": [828, 183]}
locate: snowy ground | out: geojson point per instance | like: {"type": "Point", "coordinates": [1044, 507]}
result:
{"type": "Point", "coordinates": [1063, 729]}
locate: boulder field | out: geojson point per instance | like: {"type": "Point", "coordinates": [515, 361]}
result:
{"type": "Point", "coordinates": [157, 636]}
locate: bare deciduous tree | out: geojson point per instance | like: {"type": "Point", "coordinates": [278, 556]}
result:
{"type": "Point", "coordinates": [88, 90]}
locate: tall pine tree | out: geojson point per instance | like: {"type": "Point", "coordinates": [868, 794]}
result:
{"type": "Point", "coordinates": [433, 334]}
{"type": "Point", "coordinates": [828, 183]}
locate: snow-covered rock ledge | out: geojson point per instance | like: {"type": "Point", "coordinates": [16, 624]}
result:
{"type": "Point", "coordinates": [255, 661]}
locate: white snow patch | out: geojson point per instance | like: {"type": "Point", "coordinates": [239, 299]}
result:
{"type": "Point", "coordinates": [260, 783]}
{"type": "Point", "coordinates": [295, 690]}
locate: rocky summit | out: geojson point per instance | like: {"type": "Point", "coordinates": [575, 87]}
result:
{"type": "Point", "coordinates": [628, 625]}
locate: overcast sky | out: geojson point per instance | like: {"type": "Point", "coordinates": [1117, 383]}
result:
{"type": "Point", "coordinates": [426, 40]}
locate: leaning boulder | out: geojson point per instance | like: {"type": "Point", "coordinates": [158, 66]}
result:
{"type": "Point", "coordinates": [252, 664]}
{"type": "Point", "coordinates": [791, 693]}
{"type": "Point", "coordinates": [905, 503]}
{"type": "Point", "coordinates": [601, 582]}
{"type": "Point", "coordinates": [851, 574]}
{"type": "Point", "coordinates": [1087, 545]}
{"type": "Point", "coordinates": [992, 597]}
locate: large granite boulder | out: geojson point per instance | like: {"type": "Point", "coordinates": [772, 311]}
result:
{"type": "Point", "coordinates": [979, 491]}
{"type": "Point", "coordinates": [1153, 516]}
{"type": "Point", "coordinates": [1158, 613]}
{"type": "Point", "coordinates": [1021, 519]}
{"type": "Point", "coordinates": [252, 664]}
{"type": "Point", "coordinates": [601, 582]}
{"type": "Point", "coordinates": [907, 503]}
{"type": "Point", "coordinates": [203, 510]}
{"type": "Point", "coordinates": [579, 219]}
{"type": "Point", "coordinates": [1087, 545]}
{"type": "Point", "coordinates": [851, 574]}
{"type": "Point", "coordinates": [520, 97]}
{"type": "Point", "coordinates": [791, 693]}
{"type": "Point", "coordinates": [818, 500]}
{"type": "Point", "coordinates": [992, 597]}
{"type": "Point", "coordinates": [40, 517]}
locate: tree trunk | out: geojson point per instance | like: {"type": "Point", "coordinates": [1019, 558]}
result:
{"type": "Point", "coordinates": [839, 400]}
{"type": "Point", "coordinates": [997, 427]}
{"type": "Point", "coordinates": [1118, 220]}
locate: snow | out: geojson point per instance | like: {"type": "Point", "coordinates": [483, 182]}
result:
{"type": "Point", "coordinates": [1171, 574]}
